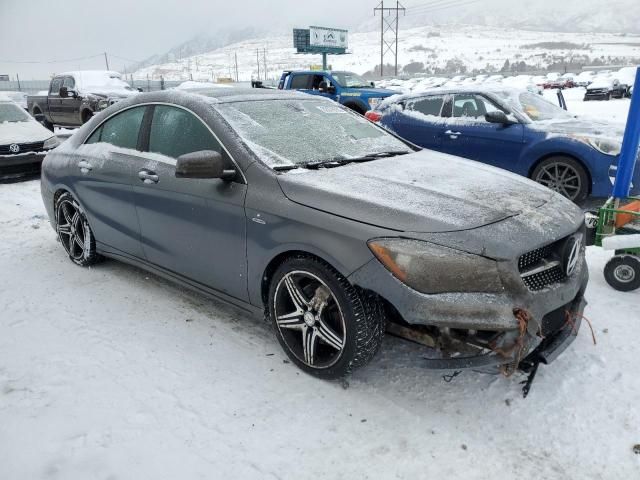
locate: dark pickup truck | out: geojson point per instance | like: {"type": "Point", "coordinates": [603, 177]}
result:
{"type": "Point", "coordinates": [74, 97]}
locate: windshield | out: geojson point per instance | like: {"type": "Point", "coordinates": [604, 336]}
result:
{"type": "Point", "coordinates": [350, 80]}
{"type": "Point", "coordinates": [293, 132]}
{"type": "Point", "coordinates": [10, 112]}
{"type": "Point", "coordinates": [538, 109]}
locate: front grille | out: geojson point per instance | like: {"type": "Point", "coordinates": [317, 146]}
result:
{"type": "Point", "coordinates": [24, 148]}
{"type": "Point", "coordinates": [534, 257]}
{"type": "Point", "coordinates": [540, 280]}
{"type": "Point", "coordinates": [542, 267]}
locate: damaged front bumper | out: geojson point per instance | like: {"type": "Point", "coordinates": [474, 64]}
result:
{"type": "Point", "coordinates": [486, 332]}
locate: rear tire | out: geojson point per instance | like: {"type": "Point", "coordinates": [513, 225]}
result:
{"type": "Point", "coordinates": [563, 175]}
{"type": "Point", "coordinates": [74, 231]}
{"type": "Point", "coordinates": [622, 272]}
{"type": "Point", "coordinates": [325, 325]}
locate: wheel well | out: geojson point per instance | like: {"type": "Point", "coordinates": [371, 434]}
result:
{"type": "Point", "coordinates": [86, 115]}
{"type": "Point", "coordinates": [580, 162]}
{"type": "Point", "coordinates": [275, 263]}
{"type": "Point", "coordinates": [355, 107]}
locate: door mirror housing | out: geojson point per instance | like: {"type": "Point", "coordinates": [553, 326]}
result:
{"type": "Point", "coordinates": [332, 90]}
{"type": "Point", "coordinates": [498, 116]}
{"type": "Point", "coordinates": [65, 93]}
{"type": "Point", "coordinates": [203, 164]}
{"type": "Point", "coordinates": [323, 86]}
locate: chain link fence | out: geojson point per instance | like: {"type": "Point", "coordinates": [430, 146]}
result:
{"type": "Point", "coordinates": [32, 87]}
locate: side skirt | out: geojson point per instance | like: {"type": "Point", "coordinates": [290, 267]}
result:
{"type": "Point", "coordinates": [182, 281]}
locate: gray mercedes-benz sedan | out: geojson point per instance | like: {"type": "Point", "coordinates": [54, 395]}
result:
{"type": "Point", "coordinates": [294, 206]}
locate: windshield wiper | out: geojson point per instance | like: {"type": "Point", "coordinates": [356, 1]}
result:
{"type": "Point", "coordinates": [285, 168]}
{"type": "Point", "coordinates": [339, 161]}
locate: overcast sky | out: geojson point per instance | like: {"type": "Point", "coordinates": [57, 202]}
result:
{"type": "Point", "coordinates": [36, 30]}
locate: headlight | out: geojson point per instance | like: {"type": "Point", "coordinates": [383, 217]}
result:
{"type": "Point", "coordinates": [102, 104]}
{"type": "Point", "coordinates": [608, 146]}
{"type": "Point", "coordinates": [50, 143]}
{"type": "Point", "coordinates": [374, 102]}
{"type": "Point", "coordinates": [430, 268]}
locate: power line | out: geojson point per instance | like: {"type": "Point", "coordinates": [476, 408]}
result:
{"type": "Point", "coordinates": [52, 61]}
{"type": "Point", "coordinates": [420, 10]}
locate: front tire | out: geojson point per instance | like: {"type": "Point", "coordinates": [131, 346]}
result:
{"type": "Point", "coordinates": [563, 175]}
{"type": "Point", "coordinates": [74, 231]}
{"type": "Point", "coordinates": [622, 272]}
{"type": "Point", "coordinates": [325, 325]}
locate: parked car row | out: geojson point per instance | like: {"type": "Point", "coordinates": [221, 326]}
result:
{"type": "Point", "coordinates": [534, 83]}
{"type": "Point", "coordinates": [296, 207]}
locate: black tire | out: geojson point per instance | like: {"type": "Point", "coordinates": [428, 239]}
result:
{"type": "Point", "coordinates": [355, 107]}
{"type": "Point", "coordinates": [608, 97]}
{"type": "Point", "coordinates": [45, 123]}
{"type": "Point", "coordinates": [74, 231]}
{"type": "Point", "coordinates": [352, 316]}
{"type": "Point", "coordinates": [622, 272]}
{"type": "Point", "coordinates": [574, 186]}
{"type": "Point", "coordinates": [86, 116]}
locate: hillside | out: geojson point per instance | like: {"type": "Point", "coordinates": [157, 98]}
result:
{"type": "Point", "coordinates": [454, 48]}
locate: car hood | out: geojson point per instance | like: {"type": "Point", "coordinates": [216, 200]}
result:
{"type": "Point", "coordinates": [579, 126]}
{"type": "Point", "coordinates": [374, 92]}
{"type": "Point", "coordinates": [421, 192]}
{"type": "Point", "coordinates": [23, 132]}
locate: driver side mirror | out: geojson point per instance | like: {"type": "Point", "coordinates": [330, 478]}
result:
{"type": "Point", "coordinates": [65, 93]}
{"type": "Point", "coordinates": [203, 164]}
{"type": "Point", "coordinates": [498, 116]}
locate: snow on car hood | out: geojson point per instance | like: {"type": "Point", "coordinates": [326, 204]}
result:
{"type": "Point", "coordinates": [420, 192]}
{"type": "Point", "coordinates": [23, 132]}
{"type": "Point", "coordinates": [579, 126]}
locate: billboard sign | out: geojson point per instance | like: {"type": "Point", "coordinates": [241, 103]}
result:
{"type": "Point", "coordinates": [328, 37]}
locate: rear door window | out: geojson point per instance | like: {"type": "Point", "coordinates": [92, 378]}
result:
{"type": "Point", "coordinates": [121, 130]}
{"type": "Point", "coordinates": [301, 82]}
{"type": "Point", "coordinates": [430, 106]}
{"type": "Point", "coordinates": [56, 83]}
{"type": "Point", "coordinates": [175, 131]}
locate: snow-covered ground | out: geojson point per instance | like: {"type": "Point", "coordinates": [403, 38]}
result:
{"type": "Point", "coordinates": [112, 373]}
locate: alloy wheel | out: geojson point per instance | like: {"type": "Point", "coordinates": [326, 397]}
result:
{"type": "Point", "coordinates": [72, 229]}
{"type": "Point", "coordinates": [309, 319]}
{"type": "Point", "coordinates": [562, 178]}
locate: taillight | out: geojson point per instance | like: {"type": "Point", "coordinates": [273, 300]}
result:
{"type": "Point", "coordinates": [373, 116]}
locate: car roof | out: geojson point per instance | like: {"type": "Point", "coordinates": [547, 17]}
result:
{"type": "Point", "coordinates": [496, 88]}
{"type": "Point", "coordinates": [242, 94]}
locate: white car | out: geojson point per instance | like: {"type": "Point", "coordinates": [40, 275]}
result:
{"type": "Point", "coordinates": [23, 141]}
{"type": "Point", "coordinates": [19, 97]}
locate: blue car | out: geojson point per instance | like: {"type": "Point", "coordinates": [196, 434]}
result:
{"type": "Point", "coordinates": [511, 129]}
{"type": "Point", "coordinates": [347, 88]}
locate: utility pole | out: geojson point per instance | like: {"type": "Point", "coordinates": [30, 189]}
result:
{"type": "Point", "coordinates": [258, 61]}
{"type": "Point", "coordinates": [264, 59]}
{"type": "Point", "coordinates": [388, 27]}
{"type": "Point", "coordinates": [236, 55]}
{"type": "Point", "coordinates": [106, 60]}
{"type": "Point", "coordinates": [18, 78]}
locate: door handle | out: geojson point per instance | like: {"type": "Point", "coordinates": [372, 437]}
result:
{"type": "Point", "coordinates": [453, 135]}
{"type": "Point", "coordinates": [148, 177]}
{"type": "Point", "coordinates": [84, 166]}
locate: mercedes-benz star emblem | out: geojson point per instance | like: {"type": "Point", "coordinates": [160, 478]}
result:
{"type": "Point", "coordinates": [14, 148]}
{"type": "Point", "coordinates": [572, 254]}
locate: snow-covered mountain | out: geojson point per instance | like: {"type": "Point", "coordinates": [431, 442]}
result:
{"type": "Point", "coordinates": [457, 48]}
{"type": "Point", "coordinates": [614, 16]}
